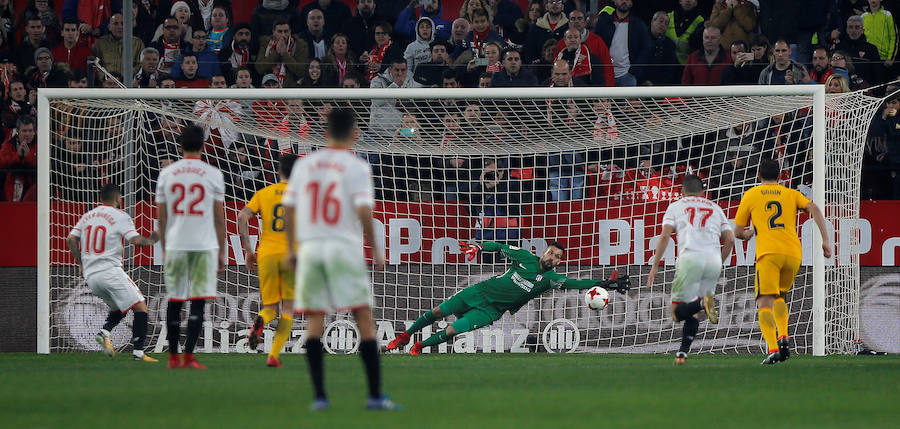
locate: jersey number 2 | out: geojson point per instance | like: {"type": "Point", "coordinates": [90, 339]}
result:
{"type": "Point", "coordinates": [772, 219]}
{"type": "Point", "coordinates": [704, 212]}
{"type": "Point", "coordinates": [197, 190]}
{"type": "Point", "coordinates": [325, 205]}
{"type": "Point", "coordinates": [97, 243]}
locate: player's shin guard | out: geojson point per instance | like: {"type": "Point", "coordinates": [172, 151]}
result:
{"type": "Point", "coordinates": [173, 325]}
{"type": "Point", "coordinates": [282, 332]}
{"type": "Point", "coordinates": [113, 319]}
{"type": "Point", "coordinates": [687, 310]}
{"type": "Point", "coordinates": [436, 339]}
{"type": "Point", "coordinates": [315, 357]}
{"type": "Point", "coordinates": [368, 351]}
{"type": "Point", "coordinates": [780, 310]}
{"type": "Point", "coordinates": [139, 330]}
{"type": "Point", "coordinates": [767, 326]}
{"type": "Point", "coordinates": [687, 335]}
{"type": "Point", "coordinates": [195, 324]}
{"type": "Point", "coordinates": [424, 320]}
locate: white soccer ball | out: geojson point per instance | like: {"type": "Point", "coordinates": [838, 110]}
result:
{"type": "Point", "coordinates": [596, 298]}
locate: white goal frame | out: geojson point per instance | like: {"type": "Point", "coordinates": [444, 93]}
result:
{"type": "Point", "coordinates": [44, 121]}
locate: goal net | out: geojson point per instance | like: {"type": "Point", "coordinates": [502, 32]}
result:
{"type": "Point", "coordinates": [592, 168]}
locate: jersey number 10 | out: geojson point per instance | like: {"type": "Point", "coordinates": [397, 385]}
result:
{"type": "Point", "coordinates": [97, 243]}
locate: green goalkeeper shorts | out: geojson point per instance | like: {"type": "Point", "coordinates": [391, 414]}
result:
{"type": "Point", "coordinates": [471, 308]}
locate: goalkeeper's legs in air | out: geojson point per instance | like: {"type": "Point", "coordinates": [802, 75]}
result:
{"type": "Point", "coordinates": [454, 305]}
{"type": "Point", "coordinates": [473, 319]}
{"type": "Point", "coordinates": [686, 312]}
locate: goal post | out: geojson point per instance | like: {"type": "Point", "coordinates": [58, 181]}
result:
{"type": "Point", "coordinates": [578, 179]}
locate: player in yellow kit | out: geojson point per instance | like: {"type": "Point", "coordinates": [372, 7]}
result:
{"type": "Point", "coordinates": [772, 210]}
{"type": "Point", "coordinates": [276, 280]}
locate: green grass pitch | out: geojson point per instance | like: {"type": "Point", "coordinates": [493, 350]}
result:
{"type": "Point", "coordinates": [454, 391]}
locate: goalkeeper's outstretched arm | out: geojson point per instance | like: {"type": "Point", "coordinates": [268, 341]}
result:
{"type": "Point", "coordinates": [471, 250]}
{"type": "Point", "coordinates": [614, 282]}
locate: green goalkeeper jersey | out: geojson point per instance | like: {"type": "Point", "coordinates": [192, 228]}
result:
{"type": "Point", "coordinates": [524, 280]}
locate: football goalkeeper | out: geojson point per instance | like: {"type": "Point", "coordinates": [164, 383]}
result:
{"type": "Point", "coordinates": [481, 304]}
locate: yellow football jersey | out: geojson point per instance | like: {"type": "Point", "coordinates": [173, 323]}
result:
{"type": "Point", "coordinates": [772, 209]}
{"type": "Point", "coordinates": [267, 202]}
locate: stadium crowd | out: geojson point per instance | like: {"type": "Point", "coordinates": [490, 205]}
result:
{"type": "Point", "coordinates": [846, 45]}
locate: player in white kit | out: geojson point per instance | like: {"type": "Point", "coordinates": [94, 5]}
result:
{"type": "Point", "coordinates": [190, 200]}
{"type": "Point", "coordinates": [705, 239]}
{"type": "Point", "coordinates": [328, 210]}
{"type": "Point", "coordinates": [96, 245]}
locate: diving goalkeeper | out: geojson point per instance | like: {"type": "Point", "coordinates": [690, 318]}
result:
{"type": "Point", "coordinates": [481, 304]}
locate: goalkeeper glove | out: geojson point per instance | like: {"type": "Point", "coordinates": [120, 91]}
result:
{"type": "Point", "coordinates": [469, 249]}
{"type": "Point", "coordinates": [619, 284]}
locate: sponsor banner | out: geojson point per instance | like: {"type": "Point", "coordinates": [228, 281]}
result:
{"type": "Point", "coordinates": [595, 234]}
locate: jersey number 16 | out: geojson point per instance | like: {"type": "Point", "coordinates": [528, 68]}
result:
{"type": "Point", "coordinates": [324, 205]}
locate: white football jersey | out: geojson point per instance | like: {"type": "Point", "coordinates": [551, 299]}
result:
{"type": "Point", "coordinates": [189, 188]}
{"type": "Point", "coordinates": [101, 231]}
{"type": "Point", "coordinates": [698, 223]}
{"type": "Point", "coordinates": [325, 189]}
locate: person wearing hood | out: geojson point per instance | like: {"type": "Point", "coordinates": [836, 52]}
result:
{"type": "Point", "coordinates": [552, 25]}
{"type": "Point", "coordinates": [419, 51]}
{"type": "Point", "coordinates": [407, 21]}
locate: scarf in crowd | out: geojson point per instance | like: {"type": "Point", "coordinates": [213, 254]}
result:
{"type": "Point", "coordinates": [605, 127]}
{"type": "Point", "coordinates": [342, 68]}
{"type": "Point", "coordinates": [215, 39]}
{"type": "Point", "coordinates": [145, 79]}
{"type": "Point", "coordinates": [581, 63]}
{"type": "Point", "coordinates": [376, 56]}
{"type": "Point", "coordinates": [278, 69]}
{"type": "Point", "coordinates": [478, 39]}
{"type": "Point", "coordinates": [291, 128]}
{"type": "Point", "coordinates": [171, 51]}
{"type": "Point", "coordinates": [494, 68]}
{"type": "Point", "coordinates": [205, 11]}
{"type": "Point", "coordinates": [218, 114]}
{"type": "Point", "coordinates": [239, 57]}
{"type": "Point", "coordinates": [39, 79]}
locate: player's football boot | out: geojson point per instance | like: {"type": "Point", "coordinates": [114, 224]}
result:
{"type": "Point", "coordinates": [105, 344]}
{"type": "Point", "coordinates": [191, 363]}
{"type": "Point", "coordinates": [143, 358]}
{"type": "Point", "coordinates": [255, 333]}
{"type": "Point", "coordinates": [416, 349]}
{"type": "Point", "coordinates": [272, 361]}
{"type": "Point", "coordinates": [174, 361]}
{"type": "Point", "coordinates": [382, 403]}
{"type": "Point", "coordinates": [319, 404]}
{"type": "Point", "coordinates": [784, 348]}
{"type": "Point", "coordinates": [772, 358]}
{"type": "Point", "coordinates": [709, 304]}
{"type": "Point", "coordinates": [401, 340]}
{"type": "Point", "coordinates": [680, 358]}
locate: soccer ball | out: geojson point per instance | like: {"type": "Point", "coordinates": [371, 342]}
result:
{"type": "Point", "coordinates": [596, 298]}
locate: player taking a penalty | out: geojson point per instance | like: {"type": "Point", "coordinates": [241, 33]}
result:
{"type": "Point", "coordinates": [276, 279]}
{"type": "Point", "coordinates": [485, 302]}
{"type": "Point", "coordinates": [772, 210]}
{"type": "Point", "coordinates": [704, 241]}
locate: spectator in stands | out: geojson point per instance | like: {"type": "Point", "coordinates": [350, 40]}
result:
{"type": "Point", "coordinates": [386, 115]}
{"type": "Point", "coordinates": [74, 176]}
{"type": "Point", "coordinates": [269, 11]}
{"type": "Point", "coordinates": [736, 19]}
{"type": "Point", "coordinates": [77, 79]}
{"type": "Point", "coordinates": [628, 40]}
{"type": "Point", "coordinates": [19, 154]}
{"type": "Point", "coordinates": [34, 38]}
{"type": "Point", "coordinates": [685, 28]}
{"type": "Point", "coordinates": [542, 67]}
{"type": "Point", "coordinates": [512, 73]}
{"type": "Point", "coordinates": [148, 76]}
{"type": "Point", "coordinates": [73, 50]}
{"type": "Point", "coordinates": [93, 14]}
{"type": "Point", "coordinates": [593, 42]}
{"type": "Point", "coordinates": [293, 126]}
{"type": "Point", "coordinates": [380, 56]}
{"type": "Point", "coordinates": [189, 76]}
{"type": "Point", "coordinates": [147, 16]}
{"type": "Point", "coordinates": [518, 34]}
{"type": "Point", "coordinates": [243, 78]}
{"type": "Point", "coordinates": [484, 81]}
{"type": "Point", "coordinates": [461, 49]}
{"type": "Point", "coordinates": [239, 53]}
{"type": "Point", "coordinates": [481, 33]}
{"type": "Point", "coordinates": [109, 47]}
{"type": "Point", "coordinates": [783, 71]}
{"type": "Point", "coordinates": [836, 84]}
{"type": "Point", "coordinates": [865, 56]}
{"type": "Point", "coordinates": [335, 13]}
{"type": "Point", "coordinates": [470, 6]}
{"type": "Point", "coordinates": [781, 137]}
{"type": "Point", "coordinates": [779, 19]}
{"type": "Point", "coordinates": [182, 14]}
{"type": "Point", "coordinates": [429, 74]}
{"type": "Point", "coordinates": [317, 76]}
{"type": "Point", "coordinates": [340, 61]}
{"type": "Point", "coordinates": [552, 25]}
{"type": "Point", "coordinates": [16, 105]}
{"type": "Point", "coordinates": [843, 66]}
{"type": "Point", "coordinates": [561, 74]}
{"type": "Point", "coordinates": [282, 54]}
{"type": "Point", "coordinates": [407, 21]}
{"type": "Point", "coordinates": [360, 29]}
{"type": "Point", "coordinates": [565, 172]}
{"type": "Point", "coordinates": [219, 35]}
{"type": "Point", "coordinates": [737, 176]}
{"type": "Point", "coordinates": [493, 188]}
{"type": "Point", "coordinates": [490, 64]}
{"type": "Point", "coordinates": [881, 31]}
{"type": "Point", "coordinates": [742, 71]}
{"type": "Point", "coordinates": [44, 10]}
{"type": "Point", "coordinates": [243, 173]}
{"type": "Point", "coordinates": [409, 132]}
{"type": "Point", "coordinates": [705, 66]}
{"type": "Point", "coordinates": [663, 68]}
{"type": "Point", "coordinates": [419, 51]}
{"type": "Point", "coordinates": [46, 74]}
{"type": "Point", "coordinates": [314, 35]}
{"type": "Point", "coordinates": [587, 69]}
{"type": "Point", "coordinates": [207, 61]}
{"type": "Point", "coordinates": [7, 19]}
{"type": "Point", "coordinates": [170, 45]}
{"type": "Point", "coordinates": [888, 126]}
{"type": "Point", "coordinates": [821, 65]}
